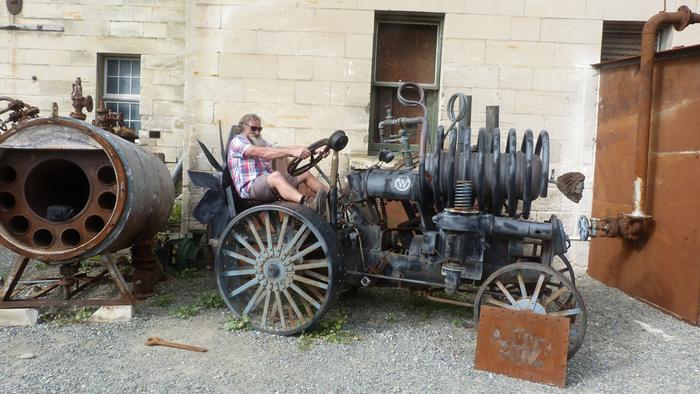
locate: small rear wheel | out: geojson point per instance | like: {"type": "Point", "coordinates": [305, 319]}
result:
{"type": "Point", "coordinates": [553, 294]}
{"type": "Point", "coordinates": [279, 265]}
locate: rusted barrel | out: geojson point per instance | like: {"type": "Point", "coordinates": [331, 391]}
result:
{"type": "Point", "coordinates": [69, 190]}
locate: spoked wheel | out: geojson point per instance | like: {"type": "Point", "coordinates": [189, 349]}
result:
{"type": "Point", "coordinates": [511, 287]}
{"type": "Point", "coordinates": [280, 266]}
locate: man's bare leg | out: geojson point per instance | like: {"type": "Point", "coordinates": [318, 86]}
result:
{"type": "Point", "coordinates": [314, 184]}
{"type": "Point", "coordinates": [284, 189]}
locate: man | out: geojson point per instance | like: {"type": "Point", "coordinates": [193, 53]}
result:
{"type": "Point", "coordinates": [250, 162]}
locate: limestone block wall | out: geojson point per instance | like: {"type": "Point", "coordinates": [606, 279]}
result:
{"type": "Point", "coordinates": [40, 67]}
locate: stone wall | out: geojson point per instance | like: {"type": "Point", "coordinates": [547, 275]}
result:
{"type": "Point", "coordinates": [40, 67]}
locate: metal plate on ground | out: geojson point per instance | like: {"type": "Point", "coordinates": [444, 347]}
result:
{"type": "Point", "coordinates": [523, 345]}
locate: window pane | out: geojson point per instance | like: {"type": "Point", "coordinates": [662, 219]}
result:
{"type": "Point", "coordinates": [124, 68]}
{"type": "Point", "coordinates": [135, 125]}
{"type": "Point", "coordinates": [124, 109]}
{"type": "Point", "coordinates": [135, 68]}
{"type": "Point", "coordinates": [406, 52]}
{"type": "Point", "coordinates": [124, 86]}
{"type": "Point", "coordinates": [112, 85]}
{"type": "Point", "coordinates": [112, 106]}
{"type": "Point", "coordinates": [135, 115]}
{"type": "Point", "coordinates": [135, 85]}
{"type": "Point", "coordinates": [112, 67]}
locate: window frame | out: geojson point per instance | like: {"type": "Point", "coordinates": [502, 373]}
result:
{"type": "Point", "coordinates": [432, 91]}
{"type": "Point", "coordinates": [117, 98]}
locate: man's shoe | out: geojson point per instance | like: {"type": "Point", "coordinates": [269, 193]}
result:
{"type": "Point", "coordinates": [318, 203]}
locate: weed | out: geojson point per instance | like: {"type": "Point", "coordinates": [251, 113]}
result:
{"type": "Point", "coordinates": [210, 300]}
{"type": "Point", "coordinates": [176, 214]}
{"type": "Point", "coordinates": [236, 324]}
{"type": "Point", "coordinates": [390, 318]}
{"type": "Point", "coordinates": [186, 311]}
{"type": "Point", "coordinates": [65, 317]}
{"type": "Point", "coordinates": [188, 273]}
{"type": "Point", "coordinates": [163, 300]}
{"type": "Point", "coordinates": [330, 329]}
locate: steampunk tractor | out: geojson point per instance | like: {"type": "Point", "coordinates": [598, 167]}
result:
{"type": "Point", "coordinates": [464, 228]}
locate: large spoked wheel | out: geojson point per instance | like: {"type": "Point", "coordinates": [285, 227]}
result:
{"type": "Point", "coordinates": [280, 266]}
{"type": "Point", "coordinates": [535, 288]}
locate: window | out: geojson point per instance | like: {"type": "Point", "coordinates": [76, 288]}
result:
{"type": "Point", "coordinates": [406, 49]}
{"type": "Point", "coordinates": [122, 88]}
{"type": "Point", "coordinates": [620, 40]}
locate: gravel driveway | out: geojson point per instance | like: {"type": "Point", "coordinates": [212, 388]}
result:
{"type": "Point", "coordinates": [402, 346]}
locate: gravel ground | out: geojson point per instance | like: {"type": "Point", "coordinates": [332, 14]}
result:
{"type": "Point", "coordinates": [402, 347]}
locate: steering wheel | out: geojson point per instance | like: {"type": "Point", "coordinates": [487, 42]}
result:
{"type": "Point", "coordinates": [294, 168]}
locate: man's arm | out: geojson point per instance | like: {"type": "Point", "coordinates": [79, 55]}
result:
{"type": "Point", "coordinates": [272, 153]}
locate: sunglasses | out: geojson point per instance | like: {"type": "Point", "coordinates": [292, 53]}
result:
{"type": "Point", "coordinates": [256, 128]}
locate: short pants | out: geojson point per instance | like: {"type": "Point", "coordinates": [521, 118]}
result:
{"type": "Point", "coordinates": [261, 191]}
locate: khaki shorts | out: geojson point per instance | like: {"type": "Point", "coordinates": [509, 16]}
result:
{"type": "Point", "coordinates": [261, 191]}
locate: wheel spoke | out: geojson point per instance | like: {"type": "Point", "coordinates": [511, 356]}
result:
{"type": "Point", "coordinates": [278, 302]}
{"type": "Point", "coordinates": [303, 232]}
{"type": "Point", "coordinates": [494, 301]}
{"type": "Point", "coordinates": [238, 256]}
{"type": "Point", "coordinates": [243, 288]}
{"type": "Point", "coordinates": [282, 231]}
{"type": "Point", "coordinates": [316, 275]}
{"type": "Point", "coordinates": [566, 312]}
{"type": "Point", "coordinates": [305, 295]}
{"type": "Point", "coordinates": [536, 293]}
{"type": "Point", "coordinates": [256, 235]}
{"type": "Point", "coordinates": [311, 282]}
{"type": "Point", "coordinates": [554, 296]}
{"type": "Point", "coordinates": [268, 231]}
{"type": "Point", "coordinates": [507, 294]}
{"type": "Point", "coordinates": [311, 264]}
{"type": "Point", "coordinates": [250, 306]}
{"type": "Point", "coordinates": [521, 282]}
{"type": "Point", "coordinates": [266, 307]}
{"type": "Point", "coordinates": [239, 272]}
{"type": "Point", "coordinates": [293, 304]}
{"type": "Point", "coordinates": [306, 251]}
{"type": "Point", "coordinates": [307, 308]}
{"type": "Point", "coordinates": [246, 245]}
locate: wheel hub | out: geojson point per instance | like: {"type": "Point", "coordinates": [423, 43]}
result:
{"type": "Point", "coordinates": [273, 270]}
{"type": "Point", "coordinates": [524, 304]}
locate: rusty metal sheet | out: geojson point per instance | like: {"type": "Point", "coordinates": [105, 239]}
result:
{"type": "Point", "coordinates": [397, 42]}
{"type": "Point", "coordinates": [523, 345]}
{"type": "Point", "coordinates": [665, 272]}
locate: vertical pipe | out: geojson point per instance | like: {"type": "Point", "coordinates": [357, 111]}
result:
{"type": "Point", "coordinates": [679, 19]}
{"type": "Point", "coordinates": [491, 117]}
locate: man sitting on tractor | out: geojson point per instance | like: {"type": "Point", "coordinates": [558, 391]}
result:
{"type": "Point", "coordinates": [250, 162]}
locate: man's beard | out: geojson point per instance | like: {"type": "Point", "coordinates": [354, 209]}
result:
{"type": "Point", "coordinates": [256, 139]}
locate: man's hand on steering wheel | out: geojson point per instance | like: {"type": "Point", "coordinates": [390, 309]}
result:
{"type": "Point", "coordinates": [301, 152]}
{"type": "Point", "coordinates": [315, 152]}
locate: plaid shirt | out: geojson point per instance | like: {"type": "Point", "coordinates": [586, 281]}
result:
{"type": "Point", "coordinates": [245, 169]}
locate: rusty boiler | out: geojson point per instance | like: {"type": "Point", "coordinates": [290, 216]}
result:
{"type": "Point", "coordinates": [70, 190]}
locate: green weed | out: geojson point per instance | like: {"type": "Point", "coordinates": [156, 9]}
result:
{"type": "Point", "coordinates": [163, 300]}
{"type": "Point", "coordinates": [186, 311]}
{"type": "Point", "coordinates": [210, 300]}
{"type": "Point", "coordinates": [330, 329]}
{"type": "Point", "coordinates": [65, 317]}
{"type": "Point", "coordinates": [236, 324]}
{"type": "Point", "coordinates": [188, 273]}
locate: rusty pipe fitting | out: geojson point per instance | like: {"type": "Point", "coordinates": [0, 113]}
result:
{"type": "Point", "coordinates": [680, 20]}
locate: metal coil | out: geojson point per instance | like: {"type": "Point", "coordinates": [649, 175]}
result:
{"type": "Point", "coordinates": [463, 195]}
